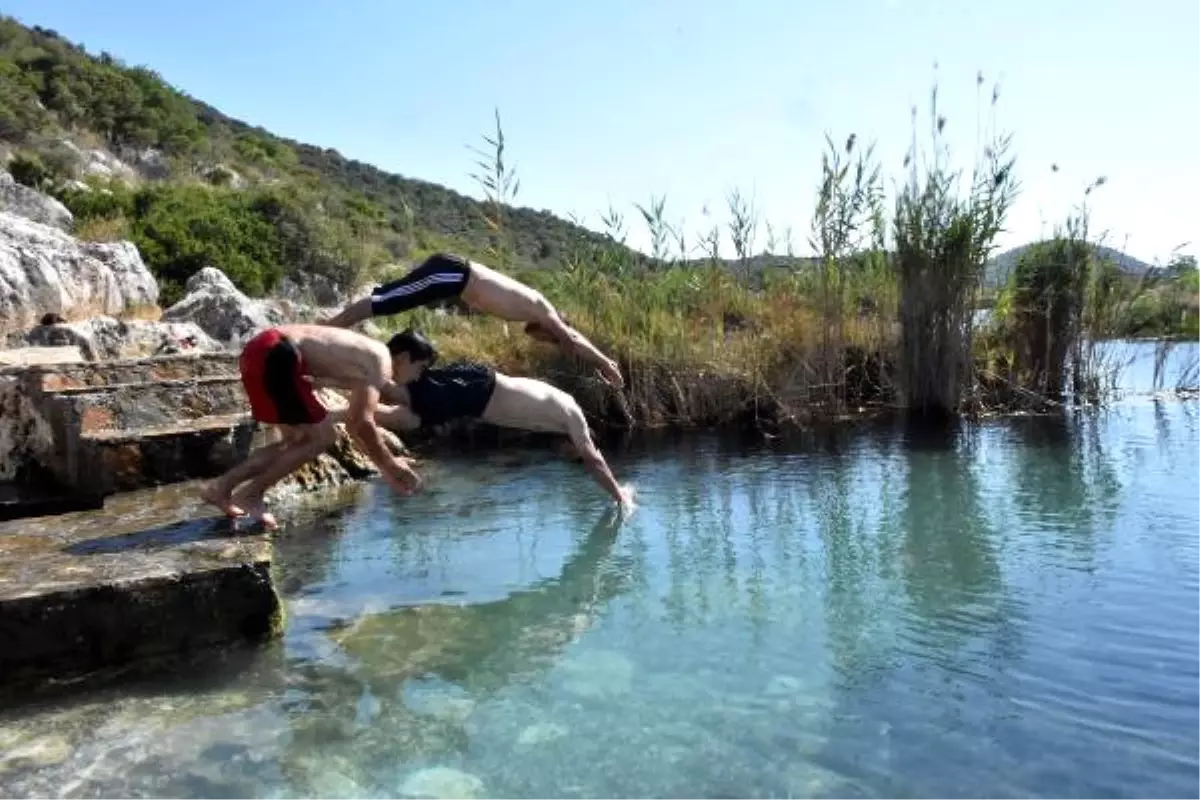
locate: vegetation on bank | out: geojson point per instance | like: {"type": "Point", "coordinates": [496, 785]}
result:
{"type": "Point", "coordinates": [883, 313]}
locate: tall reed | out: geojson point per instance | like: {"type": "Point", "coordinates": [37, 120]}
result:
{"type": "Point", "coordinates": [943, 240]}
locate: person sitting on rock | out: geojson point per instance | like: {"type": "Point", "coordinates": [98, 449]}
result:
{"type": "Point", "coordinates": [280, 368]}
{"type": "Point", "coordinates": [469, 390]}
{"type": "Point", "coordinates": [444, 276]}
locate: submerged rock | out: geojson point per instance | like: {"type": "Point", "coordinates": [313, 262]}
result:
{"type": "Point", "coordinates": [600, 673]}
{"type": "Point", "coordinates": [42, 751]}
{"type": "Point", "coordinates": [441, 782]}
{"type": "Point", "coordinates": [541, 733]}
{"type": "Point", "coordinates": [45, 271]}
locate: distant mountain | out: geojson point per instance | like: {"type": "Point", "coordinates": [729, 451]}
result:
{"type": "Point", "coordinates": [1001, 266]}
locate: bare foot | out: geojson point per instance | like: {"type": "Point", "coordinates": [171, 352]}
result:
{"type": "Point", "coordinates": [221, 500]}
{"type": "Point", "coordinates": [256, 508]}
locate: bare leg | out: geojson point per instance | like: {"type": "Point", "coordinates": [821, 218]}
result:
{"type": "Point", "coordinates": [351, 315]}
{"type": "Point", "coordinates": [219, 493]}
{"type": "Point", "coordinates": [297, 451]}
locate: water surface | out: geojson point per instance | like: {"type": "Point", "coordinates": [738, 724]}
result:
{"type": "Point", "coordinates": [1008, 611]}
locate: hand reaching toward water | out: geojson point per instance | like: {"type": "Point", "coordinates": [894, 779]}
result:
{"type": "Point", "coordinates": [402, 478]}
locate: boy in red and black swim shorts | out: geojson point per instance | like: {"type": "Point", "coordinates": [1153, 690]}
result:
{"type": "Point", "coordinates": [274, 376]}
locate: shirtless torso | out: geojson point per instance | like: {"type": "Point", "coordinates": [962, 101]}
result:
{"type": "Point", "coordinates": [280, 368]}
{"type": "Point", "coordinates": [475, 390]}
{"type": "Point", "coordinates": [341, 357]}
{"type": "Point", "coordinates": [444, 276]}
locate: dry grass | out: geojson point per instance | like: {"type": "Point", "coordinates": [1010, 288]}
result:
{"type": "Point", "coordinates": [141, 313]}
{"type": "Point", "coordinates": [696, 347]}
{"type": "Point", "coordinates": [110, 229]}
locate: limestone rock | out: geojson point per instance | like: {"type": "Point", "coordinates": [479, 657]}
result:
{"type": "Point", "coordinates": [311, 290]}
{"type": "Point", "coordinates": [220, 310]}
{"type": "Point", "coordinates": [32, 204]}
{"type": "Point", "coordinates": [150, 162]}
{"type": "Point", "coordinates": [441, 782]}
{"type": "Point", "coordinates": [43, 270]}
{"type": "Point", "coordinates": [101, 338]}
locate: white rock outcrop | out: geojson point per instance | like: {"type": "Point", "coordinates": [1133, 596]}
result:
{"type": "Point", "coordinates": [32, 204]}
{"type": "Point", "coordinates": [215, 305]}
{"type": "Point", "coordinates": [45, 271]}
{"type": "Point", "coordinates": [102, 338]}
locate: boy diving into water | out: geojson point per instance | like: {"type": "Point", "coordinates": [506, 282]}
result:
{"type": "Point", "coordinates": [279, 367]}
{"type": "Point", "coordinates": [476, 391]}
{"type": "Point", "coordinates": [444, 277]}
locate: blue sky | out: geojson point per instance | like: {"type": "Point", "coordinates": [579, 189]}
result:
{"type": "Point", "coordinates": [615, 101]}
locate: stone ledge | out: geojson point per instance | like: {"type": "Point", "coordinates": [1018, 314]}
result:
{"type": "Point", "coordinates": [82, 592]}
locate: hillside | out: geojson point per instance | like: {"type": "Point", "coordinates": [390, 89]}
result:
{"type": "Point", "coordinates": [54, 95]}
{"type": "Point", "coordinates": [1002, 265]}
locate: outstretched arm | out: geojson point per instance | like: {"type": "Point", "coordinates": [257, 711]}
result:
{"type": "Point", "coordinates": [360, 422]}
{"type": "Point", "coordinates": [351, 315]}
{"type": "Point", "coordinates": [593, 461]}
{"type": "Point", "coordinates": [575, 342]}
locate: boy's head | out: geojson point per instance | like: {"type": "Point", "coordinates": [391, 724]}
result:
{"type": "Point", "coordinates": [411, 353]}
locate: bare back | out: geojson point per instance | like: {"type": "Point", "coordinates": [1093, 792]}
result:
{"type": "Point", "coordinates": [530, 405]}
{"type": "Point", "coordinates": [501, 296]}
{"type": "Point", "coordinates": [339, 356]}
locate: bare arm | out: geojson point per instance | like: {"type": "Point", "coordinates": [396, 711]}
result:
{"type": "Point", "coordinates": [360, 422]}
{"type": "Point", "coordinates": [579, 345]}
{"type": "Point", "coordinates": [351, 315]}
{"type": "Point", "coordinates": [593, 461]}
{"type": "Point", "coordinates": [398, 417]}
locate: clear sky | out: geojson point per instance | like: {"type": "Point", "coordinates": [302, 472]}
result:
{"type": "Point", "coordinates": [621, 99]}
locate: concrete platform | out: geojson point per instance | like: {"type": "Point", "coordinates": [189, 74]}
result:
{"type": "Point", "coordinates": [154, 574]}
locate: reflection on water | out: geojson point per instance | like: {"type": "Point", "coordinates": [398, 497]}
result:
{"type": "Point", "coordinates": [1010, 610]}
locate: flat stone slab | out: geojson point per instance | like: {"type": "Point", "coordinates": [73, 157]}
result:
{"type": "Point", "coordinates": [153, 574]}
{"type": "Point", "coordinates": [40, 356]}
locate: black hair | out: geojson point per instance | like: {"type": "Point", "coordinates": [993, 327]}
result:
{"type": "Point", "coordinates": [415, 344]}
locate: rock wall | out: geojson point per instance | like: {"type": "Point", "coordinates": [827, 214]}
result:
{"type": "Point", "coordinates": [45, 271]}
{"type": "Point", "coordinates": [25, 436]}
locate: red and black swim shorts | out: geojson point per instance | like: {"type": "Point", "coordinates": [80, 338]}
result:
{"type": "Point", "coordinates": [273, 375]}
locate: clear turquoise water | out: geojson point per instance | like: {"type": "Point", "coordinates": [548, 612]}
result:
{"type": "Point", "coordinates": [1010, 611]}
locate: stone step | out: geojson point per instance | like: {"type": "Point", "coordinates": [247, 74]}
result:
{"type": "Point", "coordinates": [153, 575]}
{"type": "Point", "coordinates": [18, 501]}
{"type": "Point", "coordinates": [52, 378]}
{"type": "Point", "coordinates": [121, 460]}
{"type": "Point", "coordinates": [92, 409]}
